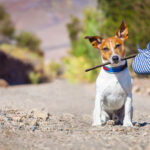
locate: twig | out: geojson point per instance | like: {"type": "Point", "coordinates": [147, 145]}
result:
{"type": "Point", "coordinates": [107, 63]}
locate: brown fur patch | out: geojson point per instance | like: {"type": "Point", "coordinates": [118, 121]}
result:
{"type": "Point", "coordinates": [114, 41]}
{"type": "Point", "coordinates": [104, 45]}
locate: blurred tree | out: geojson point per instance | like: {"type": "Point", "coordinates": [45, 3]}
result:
{"type": "Point", "coordinates": [135, 13]}
{"type": "Point", "coordinates": [29, 40]}
{"type": "Point", "coordinates": [84, 55]}
{"type": "Point", "coordinates": [6, 26]}
{"type": "Point", "coordinates": [79, 29]}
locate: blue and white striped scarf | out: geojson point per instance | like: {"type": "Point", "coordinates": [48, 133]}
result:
{"type": "Point", "coordinates": [141, 63]}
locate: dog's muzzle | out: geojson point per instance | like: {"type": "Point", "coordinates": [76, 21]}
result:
{"type": "Point", "coordinates": [115, 59]}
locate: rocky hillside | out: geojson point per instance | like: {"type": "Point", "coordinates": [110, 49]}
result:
{"type": "Point", "coordinates": [13, 70]}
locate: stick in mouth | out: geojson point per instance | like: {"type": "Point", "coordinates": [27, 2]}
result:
{"type": "Point", "coordinates": [107, 63]}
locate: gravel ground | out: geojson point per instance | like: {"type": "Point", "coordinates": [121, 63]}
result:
{"type": "Point", "coordinates": [58, 116]}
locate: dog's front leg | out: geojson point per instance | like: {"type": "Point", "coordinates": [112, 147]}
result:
{"type": "Point", "coordinates": [97, 110]}
{"type": "Point", "coordinates": [128, 111]}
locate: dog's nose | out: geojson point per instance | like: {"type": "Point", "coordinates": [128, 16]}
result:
{"type": "Point", "coordinates": [115, 59]}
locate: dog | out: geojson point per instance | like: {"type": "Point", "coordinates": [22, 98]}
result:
{"type": "Point", "coordinates": [114, 84]}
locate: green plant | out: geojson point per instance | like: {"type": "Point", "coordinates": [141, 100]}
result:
{"type": "Point", "coordinates": [34, 77]}
{"type": "Point", "coordinates": [53, 69]}
{"type": "Point", "coordinates": [6, 26]}
{"type": "Point", "coordinates": [29, 40]}
{"type": "Point", "coordinates": [136, 14]}
{"type": "Point", "coordinates": [83, 55]}
{"type": "Point", "coordinates": [75, 69]}
{"type": "Point", "coordinates": [79, 29]}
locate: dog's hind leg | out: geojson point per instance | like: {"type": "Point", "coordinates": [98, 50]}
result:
{"type": "Point", "coordinates": [120, 114]}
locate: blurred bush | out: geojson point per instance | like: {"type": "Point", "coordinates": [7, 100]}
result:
{"type": "Point", "coordinates": [81, 50]}
{"type": "Point", "coordinates": [75, 69]}
{"type": "Point", "coordinates": [6, 26]}
{"type": "Point", "coordinates": [34, 77]}
{"type": "Point", "coordinates": [136, 14]}
{"type": "Point", "coordinates": [29, 40]}
{"type": "Point", "coordinates": [79, 29]}
{"type": "Point", "coordinates": [23, 54]}
{"type": "Point", "coordinates": [53, 70]}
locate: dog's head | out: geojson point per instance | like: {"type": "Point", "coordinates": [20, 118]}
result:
{"type": "Point", "coordinates": [112, 48]}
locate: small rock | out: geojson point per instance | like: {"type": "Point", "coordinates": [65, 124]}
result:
{"type": "Point", "coordinates": [21, 127]}
{"type": "Point", "coordinates": [68, 116]}
{"type": "Point", "coordinates": [41, 115]}
{"type": "Point", "coordinates": [3, 83]}
{"type": "Point", "coordinates": [119, 128]}
{"type": "Point", "coordinates": [111, 122]}
{"type": "Point", "coordinates": [21, 119]}
{"type": "Point", "coordinates": [67, 129]}
{"type": "Point", "coordinates": [60, 129]}
{"type": "Point", "coordinates": [136, 89]}
{"type": "Point", "coordinates": [148, 91]}
{"type": "Point", "coordinates": [17, 119]}
{"type": "Point", "coordinates": [137, 124]}
{"type": "Point", "coordinates": [34, 123]}
{"type": "Point", "coordinates": [9, 119]}
{"type": "Point", "coordinates": [145, 133]}
{"type": "Point", "coordinates": [3, 113]}
{"type": "Point", "coordinates": [33, 128]}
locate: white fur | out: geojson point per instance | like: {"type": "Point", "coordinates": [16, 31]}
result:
{"type": "Point", "coordinates": [113, 92]}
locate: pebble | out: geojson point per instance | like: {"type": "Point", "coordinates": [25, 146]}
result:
{"type": "Point", "coordinates": [118, 129]}
{"type": "Point", "coordinates": [136, 89]}
{"type": "Point", "coordinates": [148, 91]}
{"type": "Point", "coordinates": [33, 123]}
{"type": "Point", "coordinates": [33, 128]}
{"type": "Point", "coordinates": [137, 124]}
{"type": "Point", "coordinates": [41, 115]}
{"type": "Point", "coordinates": [9, 119]}
{"type": "Point", "coordinates": [111, 122]}
{"type": "Point", "coordinates": [145, 133]}
{"type": "Point", "coordinates": [21, 127]}
{"type": "Point", "coordinates": [3, 83]}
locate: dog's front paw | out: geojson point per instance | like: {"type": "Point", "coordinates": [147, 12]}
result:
{"type": "Point", "coordinates": [127, 124]}
{"type": "Point", "coordinates": [97, 123]}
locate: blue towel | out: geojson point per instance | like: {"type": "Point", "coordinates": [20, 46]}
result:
{"type": "Point", "coordinates": [141, 63]}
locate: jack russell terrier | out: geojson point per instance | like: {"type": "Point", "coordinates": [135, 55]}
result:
{"type": "Point", "coordinates": [114, 84]}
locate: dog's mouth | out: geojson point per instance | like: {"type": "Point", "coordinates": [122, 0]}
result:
{"type": "Point", "coordinates": [116, 61]}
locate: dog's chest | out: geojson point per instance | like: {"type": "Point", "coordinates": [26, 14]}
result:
{"type": "Point", "coordinates": [114, 95]}
{"type": "Point", "coordinates": [114, 91]}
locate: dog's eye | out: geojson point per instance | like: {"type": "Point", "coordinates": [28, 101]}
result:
{"type": "Point", "coordinates": [118, 45]}
{"type": "Point", "coordinates": [105, 49]}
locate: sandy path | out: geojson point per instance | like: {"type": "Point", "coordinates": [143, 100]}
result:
{"type": "Point", "coordinates": [68, 125]}
{"type": "Point", "coordinates": [58, 96]}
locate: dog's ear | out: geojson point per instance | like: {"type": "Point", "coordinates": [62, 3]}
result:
{"type": "Point", "coordinates": [122, 31]}
{"type": "Point", "coordinates": [95, 40]}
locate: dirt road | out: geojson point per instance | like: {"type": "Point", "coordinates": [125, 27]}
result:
{"type": "Point", "coordinates": [58, 116]}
